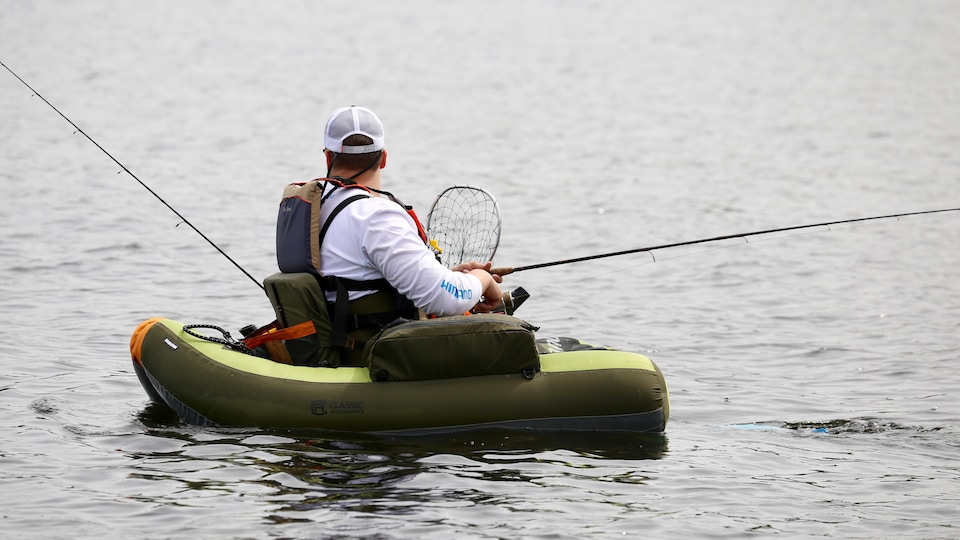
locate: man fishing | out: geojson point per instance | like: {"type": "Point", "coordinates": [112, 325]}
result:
{"type": "Point", "coordinates": [369, 238]}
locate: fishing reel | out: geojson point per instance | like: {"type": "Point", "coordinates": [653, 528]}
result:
{"type": "Point", "coordinates": [511, 301]}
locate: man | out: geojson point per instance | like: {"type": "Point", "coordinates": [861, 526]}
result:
{"type": "Point", "coordinates": [374, 237]}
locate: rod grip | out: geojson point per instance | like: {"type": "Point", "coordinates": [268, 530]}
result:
{"type": "Point", "coordinates": [507, 270]}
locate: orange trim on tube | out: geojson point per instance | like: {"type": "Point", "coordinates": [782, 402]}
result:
{"type": "Point", "coordinates": [136, 340]}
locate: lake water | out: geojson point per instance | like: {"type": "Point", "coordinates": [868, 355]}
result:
{"type": "Point", "coordinates": [814, 375]}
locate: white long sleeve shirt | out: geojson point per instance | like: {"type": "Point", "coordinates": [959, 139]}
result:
{"type": "Point", "coordinates": [374, 238]}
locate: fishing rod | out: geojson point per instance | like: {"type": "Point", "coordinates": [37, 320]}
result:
{"type": "Point", "coordinates": [510, 270]}
{"type": "Point", "coordinates": [126, 170]}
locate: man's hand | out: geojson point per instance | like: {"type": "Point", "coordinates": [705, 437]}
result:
{"type": "Point", "coordinates": [492, 296]}
{"type": "Point", "coordinates": [474, 265]}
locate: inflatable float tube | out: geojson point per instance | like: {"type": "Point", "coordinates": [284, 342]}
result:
{"type": "Point", "coordinates": [578, 388]}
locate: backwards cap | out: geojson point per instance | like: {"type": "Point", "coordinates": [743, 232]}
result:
{"type": "Point", "coordinates": [353, 120]}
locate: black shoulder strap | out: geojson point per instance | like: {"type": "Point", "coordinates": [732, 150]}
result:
{"type": "Point", "coordinates": [337, 210]}
{"type": "Point", "coordinates": [343, 285]}
{"type": "Point", "coordinates": [340, 284]}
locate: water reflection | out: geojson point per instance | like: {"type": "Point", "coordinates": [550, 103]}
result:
{"type": "Point", "coordinates": [386, 475]}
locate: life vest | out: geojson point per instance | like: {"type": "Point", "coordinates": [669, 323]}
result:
{"type": "Point", "coordinates": [300, 235]}
{"type": "Point", "coordinates": [299, 231]}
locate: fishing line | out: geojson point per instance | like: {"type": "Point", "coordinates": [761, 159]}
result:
{"type": "Point", "coordinates": [510, 270]}
{"type": "Point", "coordinates": [126, 170]}
{"type": "Point", "coordinates": [746, 242]}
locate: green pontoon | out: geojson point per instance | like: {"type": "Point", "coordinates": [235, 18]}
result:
{"type": "Point", "coordinates": [562, 385]}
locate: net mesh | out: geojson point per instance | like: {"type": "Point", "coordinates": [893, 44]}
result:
{"type": "Point", "coordinates": [465, 223]}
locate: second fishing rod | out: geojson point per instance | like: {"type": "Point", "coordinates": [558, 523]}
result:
{"type": "Point", "coordinates": [503, 271]}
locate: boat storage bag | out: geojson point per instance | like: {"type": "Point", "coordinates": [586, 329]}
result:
{"type": "Point", "coordinates": [453, 347]}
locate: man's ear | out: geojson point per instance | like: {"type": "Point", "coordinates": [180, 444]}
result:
{"type": "Point", "coordinates": [383, 159]}
{"type": "Point", "coordinates": [329, 156]}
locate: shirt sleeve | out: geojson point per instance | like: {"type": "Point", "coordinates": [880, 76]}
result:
{"type": "Point", "coordinates": [392, 244]}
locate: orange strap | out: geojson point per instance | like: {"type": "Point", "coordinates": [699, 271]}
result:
{"type": "Point", "coordinates": [303, 329]}
{"type": "Point", "coordinates": [416, 220]}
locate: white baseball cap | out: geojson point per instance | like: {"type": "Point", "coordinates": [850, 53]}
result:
{"type": "Point", "coordinates": [353, 120]}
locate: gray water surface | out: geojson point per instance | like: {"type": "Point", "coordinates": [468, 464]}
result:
{"type": "Point", "coordinates": [813, 374]}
